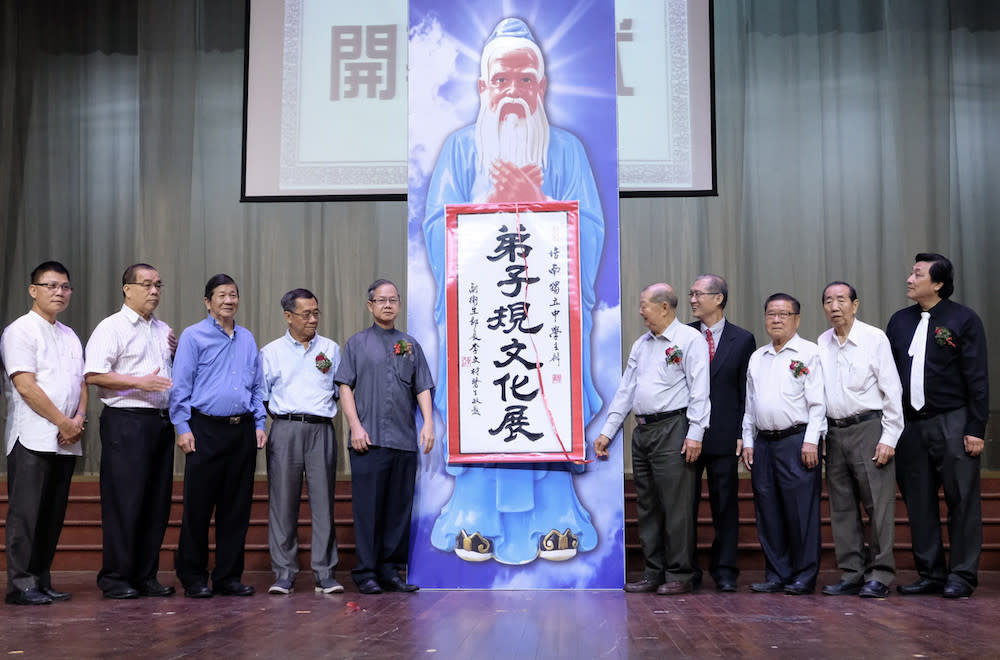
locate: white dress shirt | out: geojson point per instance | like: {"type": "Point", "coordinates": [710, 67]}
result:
{"type": "Point", "coordinates": [777, 399]}
{"type": "Point", "coordinates": [651, 384]}
{"type": "Point", "coordinates": [716, 331]}
{"type": "Point", "coordinates": [54, 354]}
{"type": "Point", "coordinates": [127, 344]}
{"type": "Point", "coordinates": [860, 375]}
{"type": "Point", "coordinates": [292, 381]}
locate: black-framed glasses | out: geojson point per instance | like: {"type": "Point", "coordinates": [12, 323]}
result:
{"type": "Point", "coordinates": [699, 294]}
{"type": "Point", "coordinates": [53, 286]}
{"type": "Point", "coordinates": [147, 285]}
{"type": "Point", "coordinates": [780, 315]}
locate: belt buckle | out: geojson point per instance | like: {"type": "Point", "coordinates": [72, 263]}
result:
{"type": "Point", "coordinates": [235, 419]}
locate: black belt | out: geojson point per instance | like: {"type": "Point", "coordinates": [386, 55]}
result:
{"type": "Point", "coordinates": [162, 413]}
{"type": "Point", "coordinates": [783, 433]}
{"type": "Point", "coordinates": [851, 420]}
{"type": "Point", "coordinates": [924, 413]}
{"type": "Point", "coordinates": [231, 420]}
{"type": "Point", "coordinates": [308, 419]}
{"type": "Point", "coordinates": [642, 420]}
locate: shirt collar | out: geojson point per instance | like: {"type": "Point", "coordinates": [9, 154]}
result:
{"type": "Point", "coordinates": [291, 340]}
{"type": "Point", "coordinates": [134, 316]}
{"type": "Point", "coordinates": [669, 331]}
{"type": "Point", "coordinates": [792, 345]}
{"type": "Point", "coordinates": [716, 329]}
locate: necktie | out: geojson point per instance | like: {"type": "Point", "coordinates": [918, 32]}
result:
{"type": "Point", "coordinates": [917, 351]}
{"type": "Point", "coordinates": [711, 344]}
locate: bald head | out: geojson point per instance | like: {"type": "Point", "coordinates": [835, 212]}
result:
{"type": "Point", "coordinates": [657, 306]}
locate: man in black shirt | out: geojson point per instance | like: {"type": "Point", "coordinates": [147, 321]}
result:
{"type": "Point", "coordinates": [940, 351]}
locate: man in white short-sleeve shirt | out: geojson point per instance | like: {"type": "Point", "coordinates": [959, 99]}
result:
{"type": "Point", "coordinates": [46, 412]}
{"type": "Point", "coordinates": [129, 358]}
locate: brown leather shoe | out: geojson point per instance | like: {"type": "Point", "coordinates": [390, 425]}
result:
{"type": "Point", "coordinates": [673, 588]}
{"type": "Point", "coordinates": [643, 586]}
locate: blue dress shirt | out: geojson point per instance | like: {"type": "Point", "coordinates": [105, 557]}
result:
{"type": "Point", "coordinates": [217, 374]}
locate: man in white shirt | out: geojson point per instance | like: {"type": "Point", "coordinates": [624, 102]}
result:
{"type": "Point", "coordinates": [46, 412]}
{"type": "Point", "coordinates": [785, 416]}
{"type": "Point", "coordinates": [300, 396]}
{"type": "Point", "coordinates": [864, 410]}
{"type": "Point", "coordinates": [666, 385]}
{"type": "Point", "coordinates": [129, 359]}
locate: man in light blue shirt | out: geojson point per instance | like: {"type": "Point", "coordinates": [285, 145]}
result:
{"type": "Point", "coordinates": [300, 395]}
{"type": "Point", "coordinates": [217, 410]}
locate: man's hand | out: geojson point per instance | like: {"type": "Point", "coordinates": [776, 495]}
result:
{"type": "Point", "coordinates": [186, 442]}
{"type": "Point", "coordinates": [748, 458]}
{"type": "Point", "coordinates": [515, 184]}
{"type": "Point", "coordinates": [172, 342]}
{"type": "Point", "coordinates": [691, 450]}
{"type": "Point", "coordinates": [973, 445]}
{"type": "Point", "coordinates": [359, 439]}
{"type": "Point", "coordinates": [261, 438]}
{"type": "Point", "coordinates": [883, 454]}
{"type": "Point", "coordinates": [810, 455]}
{"type": "Point", "coordinates": [427, 437]}
{"type": "Point", "coordinates": [70, 430]}
{"type": "Point", "coordinates": [153, 382]}
{"type": "Point", "coordinates": [739, 446]}
{"type": "Point", "coordinates": [601, 445]}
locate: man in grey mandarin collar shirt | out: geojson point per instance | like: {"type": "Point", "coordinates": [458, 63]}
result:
{"type": "Point", "coordinates": [864, 410]}
{"type": "Point", "coordinates": [784, 418]}
{"type": "Point", "coordinates": [666, 385]}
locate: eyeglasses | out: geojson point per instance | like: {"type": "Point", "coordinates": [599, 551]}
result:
{"type": "Point", "coordinates": [305, 316]}
{"type": "Point", "coordinates": [147, 285]}
{"type": "Point", "coordinates": [384, 301]}
{"type": "Point", "coordinates": [53, 286]}
{"type": "Point", "coordinates": [699, 294]}
{"type": "Point", "coordinates": [780, 315]}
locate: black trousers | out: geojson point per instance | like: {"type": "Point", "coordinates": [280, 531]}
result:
{"type": "Point", "coordinates": [137, 451]}
{"type": "Point", "coordinates": [37, 493]}
{"type": "Point", "coordinates": [722, 475]}
{"type": "Point", "coordinates": [786, 497]}
{"type": "Point", "coordinates": [218, 476]}
{"type": "Point", "coordinates": [664, 488]}
{"type": "Point", "coordinates": [931, 455]}
{"type": "Point", "coordinates": [382, 493]}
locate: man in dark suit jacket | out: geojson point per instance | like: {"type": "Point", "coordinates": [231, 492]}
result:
{"type": "Point", "coordinates": [730, 347]}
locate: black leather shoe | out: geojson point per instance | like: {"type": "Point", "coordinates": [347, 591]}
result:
{"type": "Point", "coordinates": [197, 590]}
{"type": "Point", "coordinates": [798, 589]}
{"type": "Point", "coordinates": [152, 587]}
{"type": "Point", "coordinates": [369, 586]}
{"type": "Point", "coordinates": [121, 592]}
{"type": "Point", "coordinates": [56, 595]}
{"type": "Point", "coordinates": [398, 584]}
{"type": "Point", "coordinates": [920, 587]}
{"type": "Point", "coordinates": [643, 586]}
{"type": "Point", "coordinates": [30, 596]}
{"type": "Point", "coordinates": [767, 587]}
{"type": "Point", "coordinates": [957, 589]}
{"type": "Point", "coordinates": [234, 588]}
{"type": "Point", "coordinates": [874, 589]}
{"type": "Point", "coordinates": [842, 588]}
{"type": "Point", "coordinates": [726, 586]}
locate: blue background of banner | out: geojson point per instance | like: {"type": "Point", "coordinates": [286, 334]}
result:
{"type": "Point", "coordinates": [578, 43]}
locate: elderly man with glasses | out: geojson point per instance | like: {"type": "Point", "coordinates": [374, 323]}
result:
{"type": "Point", "coordinates": [300, 395]}
{"type": "Point", "coordinates": [383, 377]}
{"type": "Point", "coordinates": [785, 416]}
{"type": "Point", "coordinates": [129, 359]}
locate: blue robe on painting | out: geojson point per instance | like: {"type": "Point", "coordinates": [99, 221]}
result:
{"type": "Point", "coordinates": [515, 505]}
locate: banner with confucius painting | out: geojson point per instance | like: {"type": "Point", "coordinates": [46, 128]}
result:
{"type": "Point", "coordinates": [513, 295]}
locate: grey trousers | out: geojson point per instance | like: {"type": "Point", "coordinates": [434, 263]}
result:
{"type": "Point", "coordinates": [855, 482]}
{"type": "Point", "coordinates": [297, 449]}
{"type": "Point", "coordinates": [664, 486]}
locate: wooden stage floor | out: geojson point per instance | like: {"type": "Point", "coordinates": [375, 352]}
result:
{"type": "Point", "coordinates": [473, 625]}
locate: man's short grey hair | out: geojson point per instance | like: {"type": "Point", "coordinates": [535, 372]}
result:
{"type": "Point", "coordinates": [660, 293]}
{"type": "Point", "coordinates": [288, 300]}
{"type": "Point", "coordinates": [376, 284]}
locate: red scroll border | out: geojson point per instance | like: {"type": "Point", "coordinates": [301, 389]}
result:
{"type": "Point", "coordinates": [573, 448]}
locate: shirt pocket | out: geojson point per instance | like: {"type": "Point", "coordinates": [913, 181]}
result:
{"type": "Point", "coordinates": [673, 374]}
{"type": "Point", "coordinates": [792, 387]}
{"type": "Point", "coordinates": [404, 368]}
{"type": "Point", "coordinates": [859, 379]}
